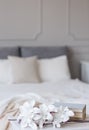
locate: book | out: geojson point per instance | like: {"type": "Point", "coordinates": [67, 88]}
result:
{"type": "Point", "coordinates": [78, 109]}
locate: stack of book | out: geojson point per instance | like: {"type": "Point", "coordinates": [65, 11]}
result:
{"type": "Point", "coordinates": [78, 109]}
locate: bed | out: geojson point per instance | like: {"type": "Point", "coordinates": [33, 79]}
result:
{"type": "Point", "coordinates": [69, 91]}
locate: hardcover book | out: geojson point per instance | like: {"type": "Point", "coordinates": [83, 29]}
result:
{"type": "Point", "coordinates": [78, 109]}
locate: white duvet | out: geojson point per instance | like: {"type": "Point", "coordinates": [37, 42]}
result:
{"type": "Point", "coordinates": [73, 91]}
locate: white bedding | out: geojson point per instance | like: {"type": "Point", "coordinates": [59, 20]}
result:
{"type": "Point", "coordinates": [73, 91]}
{"type": "Point", "coordinates": [65, 91]}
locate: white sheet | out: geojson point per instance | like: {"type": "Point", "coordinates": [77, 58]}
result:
{"type": "Point", "coordinates": [73, 91]}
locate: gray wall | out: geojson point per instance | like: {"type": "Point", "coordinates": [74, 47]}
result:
{"type": "Point", "coordinates": [47, 22]}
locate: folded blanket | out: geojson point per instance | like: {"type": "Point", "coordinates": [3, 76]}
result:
{"type": "Point", "coordinates": [10, 107]}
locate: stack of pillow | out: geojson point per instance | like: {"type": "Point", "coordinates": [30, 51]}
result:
{"type": "Point", "coordinates": [32, 70]}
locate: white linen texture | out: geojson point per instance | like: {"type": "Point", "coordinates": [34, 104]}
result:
{"type": "Point", "coordinates": [54, 69]}
{"type": "Point", "coordinates": [24, 70]}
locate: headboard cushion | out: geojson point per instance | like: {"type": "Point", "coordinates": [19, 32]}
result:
{"type": "Point", "coordinates": [5, 51]}
{"type": "Point", "coordinates": [43, 52]}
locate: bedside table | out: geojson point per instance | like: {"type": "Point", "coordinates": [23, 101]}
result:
{"type": "Point", "coordinates": [85, 71]}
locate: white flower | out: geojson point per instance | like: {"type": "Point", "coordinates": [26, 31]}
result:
{"type": "Point", "coordinates": [63, 115]}
{"type": "Point", "coordinates": [46, 112]}
{"type": "Point", "coordinates": [29, 113]}
{"type": "Point", "coordinates": [34, 117]}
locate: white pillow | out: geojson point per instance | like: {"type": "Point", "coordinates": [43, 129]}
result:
{"type": "Point", "coordinates": [54, 69]}
{"type": "Point", "coordinates": [4, 71]}
{"type": "Point", "coordinates": [24, 70]}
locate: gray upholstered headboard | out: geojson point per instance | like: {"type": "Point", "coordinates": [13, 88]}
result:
{"type": "Point", "coordinates": [5, 51]}
{"type": "Point", "coordinates": [43, 52]}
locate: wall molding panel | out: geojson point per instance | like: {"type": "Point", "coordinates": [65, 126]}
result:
{"type": "Point", "coordinates": [79, 19]}
{"type": "Point", "coordinates": [20, 19]}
